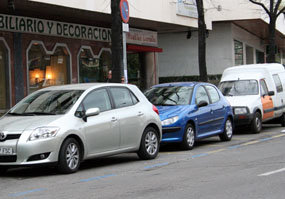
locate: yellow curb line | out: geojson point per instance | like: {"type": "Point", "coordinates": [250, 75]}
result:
{"type": "Point", "coordinates": [248, 143]}
{"type": "Point", "coordinates": [216, 151]}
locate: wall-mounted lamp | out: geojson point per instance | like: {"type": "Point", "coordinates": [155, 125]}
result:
{"type": "Point", "coordinates": [189, 34]}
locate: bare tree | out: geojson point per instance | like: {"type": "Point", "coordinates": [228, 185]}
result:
{"type": "Point", "coordinates": [117, 42]}
{"type": "Point", "coordinates": [202, 41]}
{"type": "Point", "coordinates": [273, 9]}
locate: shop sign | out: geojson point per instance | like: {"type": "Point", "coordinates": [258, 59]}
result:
{"type": "Point", "coordinates": [142, 37]}
{"type": "Point", "coordinates": [53, 28]}
{"type": "Point", "coordinates": [187, 8]}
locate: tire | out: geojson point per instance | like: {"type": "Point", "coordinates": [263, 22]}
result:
{"type": "Point", "coordinates": [256, 124]}
{"type": "Point", "coordinates": [188, 137]}
{"type": "Point", "coordinates": [149, 146]}
{"type": "Point", "coordinates": [282, 120]}
{"type": "Point", "coordinates": [3, 170]}
{"type": "Point", "coordinates": [69, 156]}
{"type": "Point", "coordinates": [228, 131]}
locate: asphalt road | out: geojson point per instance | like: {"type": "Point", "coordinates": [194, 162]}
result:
{"type": "Point", "coordinates": [249, 166]}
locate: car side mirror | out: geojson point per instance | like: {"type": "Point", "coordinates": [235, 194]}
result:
{"type": "Point", "coordinates": [202, 103]}
{"type": "Point", "coordinates": [90, 112]}
{"type": "Point", "coordinates": [271, 93]}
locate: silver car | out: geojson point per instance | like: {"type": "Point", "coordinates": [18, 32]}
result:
{"type": "Point", "coordinates": [67, 124]}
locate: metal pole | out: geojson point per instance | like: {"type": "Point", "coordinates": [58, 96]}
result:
{"type": "Point", "coordinates": [125, 29]}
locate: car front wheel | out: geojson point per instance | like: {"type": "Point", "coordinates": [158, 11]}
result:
{"type": "Point", "coordinates": [228, 131]}
{"type": "Point", "coordinates": [69, 156]}
{"type": "Point", "coordinates": [149, 145]}
{"type": "Point", "coordinates": [3, 170]}
{"type": "Point", "coordinates": [256, 124]}
{"type": "Point", "coordinates": [188, 138]}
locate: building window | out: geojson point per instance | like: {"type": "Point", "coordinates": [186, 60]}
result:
{"type": "Point", "coordinates": [47, 69]}
{"type": "Point", "coordinates": [4, 74]}
{"type": "Point", "coordinates": [259, 57]}
{"type": "Point", "coordinates": [238, 52]}
{"type": "Point", "coordinates": [94, 68]}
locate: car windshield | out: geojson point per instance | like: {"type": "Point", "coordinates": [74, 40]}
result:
{"type": "Point", "coordinates": [169, 96]}
{"type": "Point", "coordinates": [239, 87]}
{"type": "Point", "coordinates": [52, 102]}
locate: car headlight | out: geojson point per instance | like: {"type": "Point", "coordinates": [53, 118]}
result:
{"type": "Point", "coordinates": [169, 121]}
{"type": "Point", "coordinates": [240, 110]}
{"type": "Point", "coordinates": [43, 133]}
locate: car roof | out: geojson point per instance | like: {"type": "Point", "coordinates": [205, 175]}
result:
{"type": "Point", "coordinates": [179, 84]}
{"type": "Point", "coordinates": [81, 86]}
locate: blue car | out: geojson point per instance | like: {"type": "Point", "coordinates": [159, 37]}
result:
{"type": "Point", "coordinates": [190, 111]}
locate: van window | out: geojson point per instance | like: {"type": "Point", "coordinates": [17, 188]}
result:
{"type": "Point", "coordinates": [263, 86]}
{"type": "Point", "coordinates": [239, 87]}
{"type": "Point", "coordinates": [278, 84]}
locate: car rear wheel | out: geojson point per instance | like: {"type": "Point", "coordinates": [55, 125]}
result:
{"type": "Point", "coordinates": [188, 138]}
{"type": "Point", "coordinates": [282, 120]}
{"type": "Point", "coordinates": [69, 156]}
{"type": "Point", "coordinates": [228, 131]}
{"type": "Point", "coordinates": [149, 145]}
{"type": "Point", "coordinates": [256, 124]}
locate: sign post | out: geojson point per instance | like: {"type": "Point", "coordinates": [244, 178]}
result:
{"type": "Point", "coordinates": [124, 8]}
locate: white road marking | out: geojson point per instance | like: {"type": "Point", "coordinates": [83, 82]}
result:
{"type": "Point", "coordinates": [272, 172]}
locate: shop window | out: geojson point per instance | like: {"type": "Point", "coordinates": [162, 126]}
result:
{"type": "Point", "coordinates": [94, 68]}
{"type": "Point", "coordinates": [4, 84]}
{"type": "Point", "coordinates": [238, 52]}
{"type": "Point", "coordinates": [47, 69]}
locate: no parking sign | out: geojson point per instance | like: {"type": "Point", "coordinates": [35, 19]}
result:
{"type": "Point", "coordinates": [124, 8]}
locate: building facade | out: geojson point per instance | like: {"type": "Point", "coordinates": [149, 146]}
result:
{"type": "Point", "coordinates": [238, 36]}
{"type": "Point", "coordinates": [47, 42]}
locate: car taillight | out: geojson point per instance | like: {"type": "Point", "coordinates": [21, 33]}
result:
{"type": "Point", "coordinates": [155, 109]}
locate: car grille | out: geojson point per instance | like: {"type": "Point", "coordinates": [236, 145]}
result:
{"type": "Point", "coordinates": [11, 137]}
{"type": "Point", "coordinates": [8, 158]}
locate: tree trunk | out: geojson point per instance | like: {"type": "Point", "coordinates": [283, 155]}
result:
{"type": "Point", "coordinates": [271, 38]}
{"type": "Point", "coordinates": [117, 42]}
{"type": "Point", "coordinates": [202, 41]}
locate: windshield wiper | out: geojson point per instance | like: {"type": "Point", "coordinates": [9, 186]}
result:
{"type": "Point", "coordinates": [21, 114]}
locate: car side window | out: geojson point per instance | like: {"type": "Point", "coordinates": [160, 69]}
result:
{"type": "Point", "coordinates": [201, 95]}
{"type": "Point", "coordinates": [96, 99]}
{"type": "Point", "coordinates": [122, 97]}
{"type": "Point", "coordinates": [134, 98]}
{"type": "Point", "coordinates": [263, 86]}
{"type": "Point", "coordinates": [213, 94]}
{"type": "Point", "coordinates": [278, 84]}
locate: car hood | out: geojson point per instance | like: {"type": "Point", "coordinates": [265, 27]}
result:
{"type": "Point", "coordinates": [170, 111]}
{"type": "Point", "coordinates": [21, 123]}
{"type": "Point", "coordinates": [248, 100]}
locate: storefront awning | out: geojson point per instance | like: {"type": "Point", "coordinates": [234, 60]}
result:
{"type": "Point", "coordinates": [138, 48]}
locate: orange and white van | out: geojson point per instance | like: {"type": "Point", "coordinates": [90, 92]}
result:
{"type": "Point", "coordinates": [256, 93]}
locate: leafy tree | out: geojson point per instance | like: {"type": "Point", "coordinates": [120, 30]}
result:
{"type": "Point", "coordinates": [273, 9]}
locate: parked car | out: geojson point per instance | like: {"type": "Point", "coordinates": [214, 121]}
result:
{"type": "Point", "coordinates": [256, 93]}
{"type": "Point", "coordinates": [68, 124]}
{"type": "Point", "coordinates": [190, 111]}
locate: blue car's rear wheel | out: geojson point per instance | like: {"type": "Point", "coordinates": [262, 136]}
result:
{"type": "Point", "coordinates": [228, 131]}
{"type": "Point", "coordinates": [188, 138]}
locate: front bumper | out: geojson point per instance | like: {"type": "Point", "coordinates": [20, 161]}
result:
{"type": "Point", "coordinates": [172, 134]}
{"type": "Point", "coordinates": [243, 119]}
{"type": "Point", "coordinates": [30, 152]}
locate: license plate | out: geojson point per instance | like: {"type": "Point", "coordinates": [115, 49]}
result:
{"type": "Point", "coordinates": [6, 151]}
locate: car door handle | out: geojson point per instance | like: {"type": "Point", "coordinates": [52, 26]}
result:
{"type": "Point", "coordinates": [140, 113]}
{"type": "Point", "coordinates": [212, 111]}
{"type": "Point", "coordinates": [114, 119]}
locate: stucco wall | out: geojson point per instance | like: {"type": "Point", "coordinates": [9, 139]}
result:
{"type": "Point", "coordinates": [180, 55]}
{"type": "Point", "coordinates": [155, 10]}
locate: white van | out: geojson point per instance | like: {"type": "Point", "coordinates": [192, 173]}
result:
{"type": "Point", "coordinates": [256, 92]}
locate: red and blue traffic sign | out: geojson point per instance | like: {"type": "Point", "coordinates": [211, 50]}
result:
{"type": "Point", "coordinates": [124, 8]}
